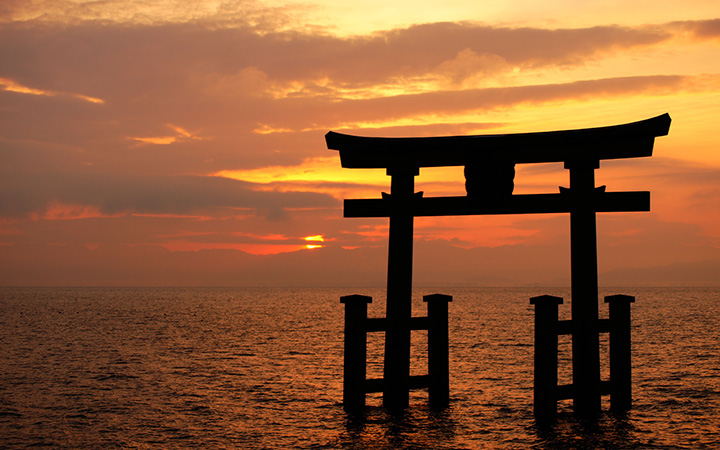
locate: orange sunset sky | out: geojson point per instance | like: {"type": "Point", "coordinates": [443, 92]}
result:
{"type": "Point", "coordinates": [182, 142]}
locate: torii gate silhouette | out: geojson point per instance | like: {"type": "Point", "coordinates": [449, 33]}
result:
{"type": "Point", "coordinates": [489, 162]}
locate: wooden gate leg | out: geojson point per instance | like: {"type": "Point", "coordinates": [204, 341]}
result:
{"type": "Point", "coordinates": [438, 343]}
{"type": "Point", "coordinates": [396, 367]}
{"type": "Point", "coordinates": [584, 281]}
{"type": "Point", "coordinates": [546, 356]}
{"type": "Point", "coordinates": [355, 358]}
{"type": "Point", "coordinates": [620, 358]}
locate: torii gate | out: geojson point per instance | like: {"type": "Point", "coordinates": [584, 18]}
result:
{"type": "Point", "coordinates": [489, 162]}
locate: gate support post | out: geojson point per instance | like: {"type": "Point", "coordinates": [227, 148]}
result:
{"type": "Point", "coordinates": [546, 356]}
{"type": "Point", "coordinates": [396, 367]}
{"type": "Point", "coordinates": [584, 287]}
{"type": "Point", "coordinates": [438, 343]}
{"type": "Point", "coordinates": [355, 358]}
{"type": "Point", "coordinates": [620, 358]}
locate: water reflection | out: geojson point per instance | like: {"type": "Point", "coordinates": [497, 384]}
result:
{"type": "Point", "coordinates": [608, 430]}
{"type": "Point", "coordinates": [418, 427]}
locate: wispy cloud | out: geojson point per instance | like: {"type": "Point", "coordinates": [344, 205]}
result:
{"type": "Point", "coordinates": [180, 135]}
{"type": "Point", "coordinates": [12, 86]}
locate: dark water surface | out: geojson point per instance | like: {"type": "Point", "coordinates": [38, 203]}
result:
{"type": "Point", "coordinates": [262, 368]}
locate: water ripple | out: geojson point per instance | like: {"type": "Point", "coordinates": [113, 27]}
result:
{"type": "Point", "coordinates": [262, 369]}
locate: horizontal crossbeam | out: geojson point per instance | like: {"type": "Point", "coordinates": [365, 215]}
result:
{"type": "Point", "coordinates": [630, 140]}
{"type": "Point", "coordinates": [515, 204]}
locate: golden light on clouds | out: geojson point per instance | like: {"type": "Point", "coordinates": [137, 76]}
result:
{"type": "Point", "coordinates": [326, 169]}
{"type": "Point", "coordinates": [324, 174]}
{"type": "Point", "coordinates": [354, 18]}
{"type": "Point", "coordinates": [61, 211]}
{"type": "Point", "coordinates": [137, 11]}
{"type": "Point", "coordinates": [180, 135]}
{"type": "Point", "coordinates": [162, 140]}
{"type": "Point", "coordinates": [13, 86]}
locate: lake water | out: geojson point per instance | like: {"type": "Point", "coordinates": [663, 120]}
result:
{"type": "Point", "coordinates": [262, 369]}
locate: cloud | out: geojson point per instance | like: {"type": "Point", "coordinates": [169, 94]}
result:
{"type": "Point", "coordinates": [11, 8]}
{"type": "Point", "coordinates": [180, 134]}
{"type": "Point", "coordinates": [701, 29]}
{"type": "Point", "coordinates": [225, 13]}
{"type": "Point", "coordinates": [250, 97]}
{"type": "Point", "coordinates": [223, 83]}
{"type": "Point", "coordinates": [147, 54]}
{"type": "Point", "coordinates": [469, 63]}
{"type": "Point", "coordinates": [300, 114]}
{"type": "Point", "coordinates": [11, 86]}
{"type": "Point", "coordinates": [112, 194]}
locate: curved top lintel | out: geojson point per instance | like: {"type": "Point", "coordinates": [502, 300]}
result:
{"type": "Point", "coordinates": [630, 140]}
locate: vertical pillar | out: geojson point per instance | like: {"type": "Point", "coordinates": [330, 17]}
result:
{"type": "Point", "coordinates": [546, 356]}
{"type": "Point", "coordinates": [396, 367]}
{"type": "Point", "coordinates": [438, 343]}
{"type": "Point", "coordinates": [620, 358]}
{"type": "Point", "coordinates": [355, 358]}
{"type": "Point", "coordinates": [584, 279]}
